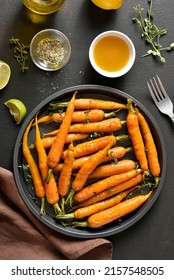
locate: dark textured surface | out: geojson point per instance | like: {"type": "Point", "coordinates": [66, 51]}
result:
{"type": "Point", "coordinates": [81, 21]}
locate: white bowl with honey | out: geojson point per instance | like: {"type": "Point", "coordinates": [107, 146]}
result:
{"type": "Point", "coordinates": [112, 54]}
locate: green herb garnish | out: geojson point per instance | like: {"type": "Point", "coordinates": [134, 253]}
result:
{"type": "Point", "coordinates": [111, 154]}
{"type": "Point", "coordinates": [150, 32]}
{"type": "Point", "coordinates": [21, 53]}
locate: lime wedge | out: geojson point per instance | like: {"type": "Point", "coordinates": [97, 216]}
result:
{"type": "Point", "coordinates": [5, 73]}
{"type": "Point", "coordinates": [17, 109]}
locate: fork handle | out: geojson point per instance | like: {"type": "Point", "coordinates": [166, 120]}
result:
{"type": "Point", "coordinates": [172, 117]}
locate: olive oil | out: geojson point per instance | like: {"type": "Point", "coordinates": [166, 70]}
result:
{"type": "Point", "coordinates": [111, 53]}
{"type": "Point", "coordinates": [43, 7]}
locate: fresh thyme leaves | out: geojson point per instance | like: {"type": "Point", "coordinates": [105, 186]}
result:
{"type": "Point", "coordinates": [111, 154]}
{"type": "Point", "coordinates": [27, 174]}
{"type": "Point", "coordinates": [151, 32]}
{"type": "Point", "coordinates": [21, 53]}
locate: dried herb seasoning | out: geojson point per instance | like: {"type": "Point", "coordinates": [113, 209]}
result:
{"type": "Point", "coordinates": [50, 51]}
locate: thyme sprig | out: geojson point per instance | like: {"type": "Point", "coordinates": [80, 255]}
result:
{"type": "Point", "coordinates": [21, 53]}
{"type": "Point", "coordinates": [151, 33]}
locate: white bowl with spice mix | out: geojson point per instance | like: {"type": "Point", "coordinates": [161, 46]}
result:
{"type": "Point", "coordinates": [50, 49]}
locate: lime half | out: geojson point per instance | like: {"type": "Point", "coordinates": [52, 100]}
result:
{"type": "Point", "coordinates": [17, 109]}
{"type": "Point", "coordinates": [5, 73]}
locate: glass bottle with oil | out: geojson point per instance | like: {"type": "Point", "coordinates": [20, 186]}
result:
{"type": "Point", "coordinates": [43, 7]}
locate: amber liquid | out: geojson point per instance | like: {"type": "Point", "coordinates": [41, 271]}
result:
{"type": "Point", "coordinates": [111, 54]}
{"type": "Point", "coordinates": [43, 7]}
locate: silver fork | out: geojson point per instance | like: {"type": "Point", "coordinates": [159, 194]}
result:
{"type": "Point", "coordinates": [160, 97]}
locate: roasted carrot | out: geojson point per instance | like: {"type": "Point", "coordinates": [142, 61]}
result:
{"type": "Point", "coordinates": [51, 192]}
{"type": "Point", "coordinates": [93, 115]}
{"type": "Point", "coordinates": [136, 136]}
{"type": "Point", "coordinates": [87, 211]}
{"type": "Point", "coordinates": [106, 126]}
{"type": "Point", "coordinates": [34, 170]}
{"type": "Point", "coordinates": [113, 154]}
{"type": "Point", "coordinates": [65, 175]}
{"type": "Point", "coordinates": [82, 175]}
{"type": "Point", "coordinates": [116, 153]}
{"type": "Point", "coordinates": [111, 191]}
{"type": "Point", "coordinates": [71, 137]}
{"type": "Point", "coordinates": [58, 144]}
{"type": "Point", "coordinates": [113, 168]}
{"type": "Point", "coordinates": [94, 145]}
{"type": "Point", "coordinates": [150, 147]}
{"type": "Point", "coordinates": [90, 103]}
{"type": "Point", "coordinates": [104, 184]}
{"type": "Point", "coordinates": [113, 213]}
{"type": "Point", "coordinates": [86, 169]}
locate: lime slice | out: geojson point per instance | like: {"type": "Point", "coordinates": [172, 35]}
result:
{"type": "Point", "coordinates": [17, 109]}
{"type": "Point", "coordinates": [5, 73]}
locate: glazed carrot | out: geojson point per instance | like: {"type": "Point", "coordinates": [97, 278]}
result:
{"type": "Point", "coordinates": [82, 175]}
{"type": "Point", "coordinates": [106, 126]}
{"type": "Point", "coordinates": [113, 168]}
{"type": "Point", "coordinates": [71, 137]}
{"type": "Point", "coordinates": [92, 115]}
{"type": "Point", "coordinates": [113, 154]}
{"type": "Point", "coordinates": [117, 153]}
{"type": "Point", "coordinates": [90, 103]}
{"type": "Point", "coordinates": [104, 184]}
{"type": "Point", "coordinates": [115, 212]}
{"type": "Point", "coordinates": [150, 147]}
{"type": "Point", "coordinates": [86, 169]}
{"type": "Point", "coordinates": [65, 175]}
{"type": "Point", "coordinates": [87, 211]}
{"type": "Point", "coordinates": [34, 170]}
{"type": "Point", "coordinates": [51, 192]}
{"type": "Point", "coordinates": [50, 133]}
{"type": "Point", "coordinates": [136, 136]}
{"type": "Point", "coordinates": [94, 145]}
{"type": "Point", "coordinates": [58, 144]}
{"type": "Point", "coordinates": [111, 191]}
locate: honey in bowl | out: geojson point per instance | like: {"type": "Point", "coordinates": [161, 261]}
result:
{"type": "Point", "coordinates": [111, 53]}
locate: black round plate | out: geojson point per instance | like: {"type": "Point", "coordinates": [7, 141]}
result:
{"type": "Point", "coordinates": [26, 192]}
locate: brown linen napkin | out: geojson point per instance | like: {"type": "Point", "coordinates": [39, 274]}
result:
{"type": "Point", "coordinates": [24, 237]}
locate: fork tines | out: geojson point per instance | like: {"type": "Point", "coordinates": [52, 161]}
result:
{"type": "Point", "coordinates": [158, 93]}
{"type": "Point", "coordinates": [160, 96]}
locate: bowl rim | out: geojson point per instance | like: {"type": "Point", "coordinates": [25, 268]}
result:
{"type": "Point", "coordinates": [131, 49]}
{"type": "Point", "coordinates": [54, 31]}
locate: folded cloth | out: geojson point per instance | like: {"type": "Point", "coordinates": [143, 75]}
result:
{"type": "Point", "coordinates": [24, 237]}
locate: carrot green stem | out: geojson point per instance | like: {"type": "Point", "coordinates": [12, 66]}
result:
{"type": "Point", "coordinates": [129, 149]}
{"type": "Point", "coordinates": [123, 122]}
{"type": "Point", "coordinates": [62, 203]}
{"type": "Point", "coordinates": [57, 209]}
{"type": "Point", "coordinates": [69, 200]}
{"type": "Point", "coordinates": [31, 146]}
{"type": "Point", "coordinates": [129, 105]}
{"type": "Point", "coordinates": [157, 179]}
{"type": "Point", "coordinates": [50, 171]}
{"type": "Point", "coordinates": [66, 216]}
{"type": "Point", "coordinates": [80, 224]}
{"type": "Point", "coordinates": [42, 208]}
{"type": "Point", "coordinates": [122, 137]}
{"type": "Point", "coordinates": [111, 114]}
{"type": "Point", "coordinates": [59, 104]}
